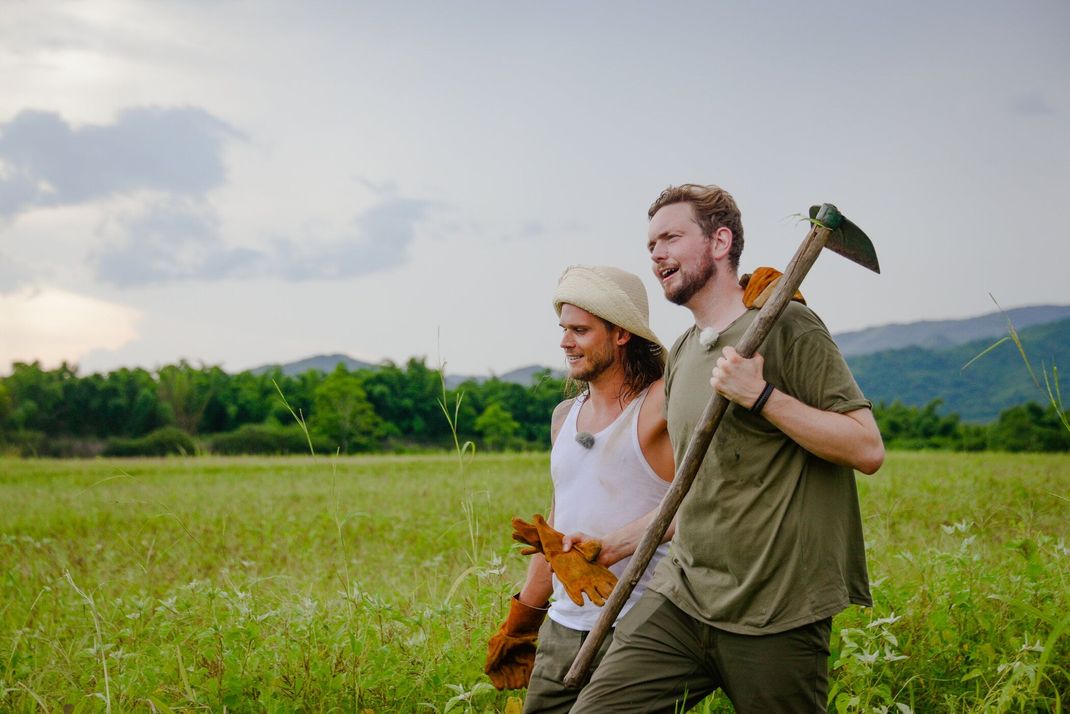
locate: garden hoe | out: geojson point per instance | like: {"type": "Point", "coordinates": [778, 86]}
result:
{"type": "Point", "coordinates": [830, 229]}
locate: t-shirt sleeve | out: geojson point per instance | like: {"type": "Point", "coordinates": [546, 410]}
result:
{"type": "Point", "coordinates": [816, 373]}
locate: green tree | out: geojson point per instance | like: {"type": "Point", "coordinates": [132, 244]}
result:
{"type": "Point", "coordinates": [497, 427]}
{"type": "Point", "coordinates": [6, 407]}
{"type": "Point", "coordinates": [184, 394]}
{"type": "Point", "coordinates": [59, 403]}
{"type": "Point", "coordinates": [530, 406]}
{"type": "Point", "coordinates": [407, 400]}
{"type": "Point", "coordinates": [1029, 427]}
{"type": "Point", "coordinates": [299, 391]}
{"type": "Point", "coordinates": [907, 427]}
{"type": "Point", "coordinates": [343, 413]}
{"type": "Point", "coordinates": [129, 404]}
{"type": "Point", "coordinates": [37, 396]}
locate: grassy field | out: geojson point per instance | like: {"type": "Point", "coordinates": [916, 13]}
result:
{"type": "Point", "coordinates": [357, 584]}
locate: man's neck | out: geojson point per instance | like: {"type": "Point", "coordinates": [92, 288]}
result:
{"type": "Point", "coordinates": [607, 392]}
{"type": "Point", "coordinates": [719, 302]}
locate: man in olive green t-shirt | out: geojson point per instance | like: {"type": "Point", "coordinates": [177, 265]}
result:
{"type": "Point", "coordinates": [768, 543]}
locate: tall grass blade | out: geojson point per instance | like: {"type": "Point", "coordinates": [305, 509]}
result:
{"type": "Point", "coordinates": [1051, 387]}
{"type": "Point", "coordinates": [36, 698]}
{"type": "Point", "coordinates": [988, 349]}
{"type": "Point", "coordinates": [298, 418]}
{"type": "Point", "coordinates": [99, 637]}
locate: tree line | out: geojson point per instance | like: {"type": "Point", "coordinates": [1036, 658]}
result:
{"type": "Point", "coordinates": [180, 407]}
{"type": "Point", "coordinates": [186, 409]}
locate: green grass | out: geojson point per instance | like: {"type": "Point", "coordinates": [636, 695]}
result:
{"type": "Point", "coordinates": [352, 584]}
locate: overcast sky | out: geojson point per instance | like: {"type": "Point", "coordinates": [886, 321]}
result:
{"type": "Point", "coordinates": [248, 182]}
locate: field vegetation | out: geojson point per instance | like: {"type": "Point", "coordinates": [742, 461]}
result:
{"type": "Point", "coordinates": [182, 409]}
{"type": "Point", "coordinates": [372, 583]}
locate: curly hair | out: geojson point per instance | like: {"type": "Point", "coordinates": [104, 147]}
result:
{"type": "Point", "coordinates": [713, 208]}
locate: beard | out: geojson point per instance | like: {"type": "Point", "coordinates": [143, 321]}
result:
{"type": "Point", "coordinates": [692, 281]}
{"type": "Point", "coordinates": [597, 363]}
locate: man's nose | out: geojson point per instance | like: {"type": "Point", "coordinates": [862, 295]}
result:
{"type": "Point", "coordinates": [566, 340]}
{"type": "Point", "coordinates": [657, 254]}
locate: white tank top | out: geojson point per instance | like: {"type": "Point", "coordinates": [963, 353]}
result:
{"type": "Point", "coordinates": [597, 491]}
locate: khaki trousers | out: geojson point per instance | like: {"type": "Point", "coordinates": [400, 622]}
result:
{"type": "Point", "coordinates": [558, 645]}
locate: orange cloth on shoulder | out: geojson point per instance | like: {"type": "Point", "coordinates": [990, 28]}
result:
{"type": "Point", "coordinates": [759, 285]}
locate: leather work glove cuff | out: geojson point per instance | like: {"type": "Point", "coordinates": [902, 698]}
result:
{"type": "Point", "coordinates": [523, 619]}
{"type": "Point", "coordinates": [511, 650]}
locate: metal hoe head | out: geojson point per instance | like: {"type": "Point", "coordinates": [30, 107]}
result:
{"type": "Point", "coordinates": [846, 238]}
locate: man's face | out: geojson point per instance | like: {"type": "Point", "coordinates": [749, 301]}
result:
{"type": "Point", "coordinates": [590, 347]}
{"type": "Point", "coordinates": [683, 263]}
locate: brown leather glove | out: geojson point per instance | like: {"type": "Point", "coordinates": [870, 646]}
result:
{"type": "Point", "coordinates": [527, 533]}
{"type": "Point", "coordinates": [511, 651]}
{"type": "Point", "coordinates": [575, 568]}
{"type": "Point", "coordinates": [759, 285]}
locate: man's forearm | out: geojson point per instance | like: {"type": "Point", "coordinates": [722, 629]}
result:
{"type": "Point", "coordinates": [537, 586]}
{"type": "Point", "coordinates": [850, 439]}
{"type": "Point", "coordinates": [621, 543]}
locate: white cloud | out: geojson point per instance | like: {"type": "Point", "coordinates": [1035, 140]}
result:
{"type": "Point", "coordinates": [53, 325]}
{"type": "Point", "coordinates": [168, 240]}
{"type": "Point", "coordinates": [48, 162]}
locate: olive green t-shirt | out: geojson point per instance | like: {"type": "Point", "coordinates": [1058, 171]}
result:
{"type": "Point", "coordinates": [769, 537]}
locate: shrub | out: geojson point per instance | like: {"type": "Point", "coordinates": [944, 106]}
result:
{"type": "Point", "coordinates": [1029, 427]}
{"type": "Point", "coordinates": [162, 442]}
{"type": "Point", "coordinates": [24, 442]}
{"type": "Point", "coordinates": [268, 439]}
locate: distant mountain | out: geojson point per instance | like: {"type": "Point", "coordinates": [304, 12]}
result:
{"type": "Point", "coordinates": [944, 334]}
{"type": "Point", "coordinates": [998, 380]}
{"type": "Point", "coordinates": [324, 363]}
{"type": "Point", "coordinates": [523, 376]}
{"type": "Point", "coordinates": [913, 363]}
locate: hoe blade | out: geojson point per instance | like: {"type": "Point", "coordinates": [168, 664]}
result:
{"type": "Point", "coordinates": [851, 242]}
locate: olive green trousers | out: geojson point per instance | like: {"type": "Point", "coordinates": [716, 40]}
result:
{"type": "Point", "coordinates": [664, 660]}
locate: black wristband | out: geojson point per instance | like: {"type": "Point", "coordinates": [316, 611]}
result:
{"type": "Point", "coordinates": [756, 408]}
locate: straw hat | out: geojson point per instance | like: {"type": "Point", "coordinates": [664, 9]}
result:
{"type": "Point", "coordinates": [612, 294]}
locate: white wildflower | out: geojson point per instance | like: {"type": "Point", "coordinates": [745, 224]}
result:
{"type": "Point", "coordinates": [892, 656]}
{"type": "Point", "coordinates": [867, 657]}
{"type": "Point", "coordinates": [890, 620]}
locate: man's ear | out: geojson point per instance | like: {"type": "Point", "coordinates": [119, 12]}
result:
{"type": "Point", "coordinates": [721, 242]}
{"type": "Point", "coordinates": [622, 337]}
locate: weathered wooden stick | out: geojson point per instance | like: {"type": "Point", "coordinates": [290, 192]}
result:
{"type": "Point", "coordinates": [696, 450]}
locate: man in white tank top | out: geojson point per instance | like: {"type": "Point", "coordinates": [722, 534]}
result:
{"type": "Point", "coordinates": [611, 464]}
